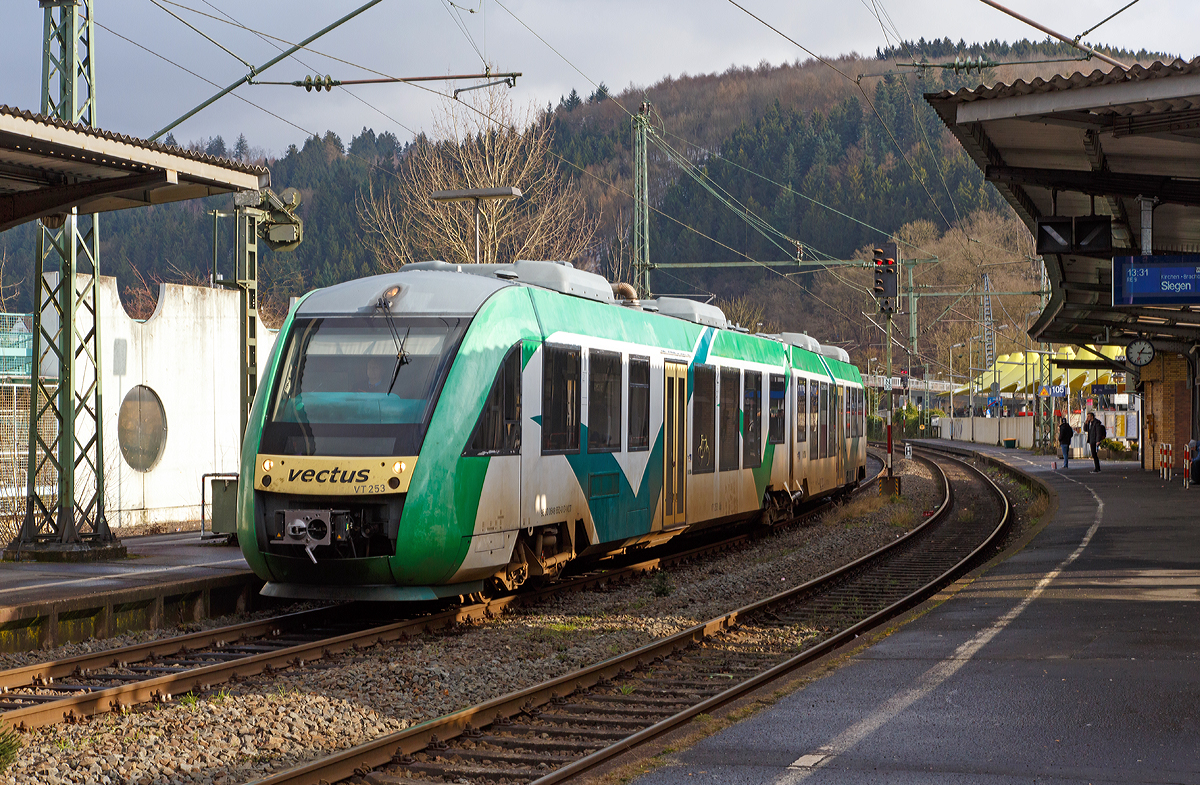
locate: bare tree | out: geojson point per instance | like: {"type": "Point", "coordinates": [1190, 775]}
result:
{"type": "Point", "coordinates": [748, 312]}
{"type": "Point", "coordinates": [482, 141]}
{"type": "Point", "coordinates": [9, 289]}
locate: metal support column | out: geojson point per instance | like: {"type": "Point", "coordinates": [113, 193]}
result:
{"type": "Point", "coordinates": [248, 219]}
{"type": "Point", "coordinates": [64, 513]}
{"type": "Point", "coordinates": [641, 199]}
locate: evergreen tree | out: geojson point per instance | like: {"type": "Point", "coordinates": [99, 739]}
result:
{"type": "Point", "coordinates": [216, 146]}
{"type": "Point", "coordinates": [241, 150]}
{"type": "Point", "coordinates": [573, 100]}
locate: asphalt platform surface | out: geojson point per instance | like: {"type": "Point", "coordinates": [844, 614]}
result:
{"type": "Point", "coordinates": [1077, 660]}
{"type": "Point", "coordinates": [153, 559]}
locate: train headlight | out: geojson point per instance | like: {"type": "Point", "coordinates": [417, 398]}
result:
{"type": "Point", "coordinates": [398, 467]}
{"type": "Point", "coordinates": [268, 465]}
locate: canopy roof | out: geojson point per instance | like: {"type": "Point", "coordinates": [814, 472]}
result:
{"type": "Point", "coordinates": [48, 167]}
{"type": "Point", "coordinates": [1052, 146]}
{"type": "Point", "coordinates": [1018, 372]}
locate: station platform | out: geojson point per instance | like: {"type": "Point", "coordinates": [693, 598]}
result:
{"type": "Point", "coordinates": [1074, 660]}
{"type": "Point", "coordinates": [167, 579]}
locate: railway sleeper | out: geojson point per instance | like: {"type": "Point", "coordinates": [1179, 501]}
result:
{"type": "Point", "coordinates": [570, 718]}
{"type": "Point", "coordinates": [548, 745]}
{"type": "Point", "coordinates": [592, 708]}
{"type": "Point", "coordinates": [473, 772]}
{"type": "Point", "coordinates": [487, 757]}
{"type": "Point", "coordinates": [556, 731]}
{"type": "Point", "coordinates": [637, 700]}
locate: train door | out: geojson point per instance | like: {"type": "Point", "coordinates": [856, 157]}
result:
{"type": "Point", "coordinates": [674, 443]}
{"type": "Point", "coordinates": [837, 412]}
{"type": "Point", "coordinates": [846, 400]}
{"type": "Point", "coordinates": [800, 440]}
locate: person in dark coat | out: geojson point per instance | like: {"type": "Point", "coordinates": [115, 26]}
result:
{"type": "Point", "coordinates": [1095, 434]}
{"type": "Point", "coordinates": [1065, 433]}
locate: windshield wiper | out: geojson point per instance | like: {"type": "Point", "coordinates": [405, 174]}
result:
{"type": "Point", "coordinates": [401, 357]}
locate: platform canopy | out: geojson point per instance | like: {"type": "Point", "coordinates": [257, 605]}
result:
{"type": "Point", "coordinates": [48, 167]}
{"type": "Point", "coordinates": [1058, 147]}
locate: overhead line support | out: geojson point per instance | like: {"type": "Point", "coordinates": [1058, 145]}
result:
{"type": "Point", "coordinates": [64, 502]}
{"type": "Point", "coordinates": [249, 78]}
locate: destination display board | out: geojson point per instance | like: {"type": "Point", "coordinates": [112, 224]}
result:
{"type": "Point", "coordinates": [1156, 280]}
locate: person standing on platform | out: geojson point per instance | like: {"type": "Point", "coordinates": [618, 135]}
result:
{"type": "Point", "coordinates": [1096, 432]}
{"type": "Point", "coordinates": [1065, 433]}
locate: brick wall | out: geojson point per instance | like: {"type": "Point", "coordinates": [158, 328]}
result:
{"type": "Point", "coordinates": [1167, 408]}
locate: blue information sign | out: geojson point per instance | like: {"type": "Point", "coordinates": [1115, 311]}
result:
{"type": "Point", "coordinates": [1104, 389]}
{"type": "Point", "coordinates": [1156, 280]}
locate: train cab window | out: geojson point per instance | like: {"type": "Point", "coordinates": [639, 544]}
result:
{"type": "Point", "coordinates": [814, 409]}
{"type": "Point", "coordinates": [801, 409]}
{"type": "Point", "coordinates": [704, 419]}
{"type": "Point", "coordinates": [560, 399]}
{"type": "Point", "coordinates": [858, 411]}
{"type": "Point", "coordinates": [639, 404]}
{"type": "Point", "coordinates": [777, 402]}
{"type": "Point", "coordinates": [752, 421]}
{"type": "Point", "coordinates": [731, 383]}
{"type": "Point", "coordinates": [824, 420]}
{"type": "Point", "coordinates": [498, 431]}
{"type": "Point", "coordinates": [604, 401]}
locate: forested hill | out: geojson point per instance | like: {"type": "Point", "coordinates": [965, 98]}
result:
{"type": "Point", "coordinates": [795, 145]}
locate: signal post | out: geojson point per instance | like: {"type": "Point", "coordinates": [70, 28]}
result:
{"type": "Point", "coordinates": [886, 290]}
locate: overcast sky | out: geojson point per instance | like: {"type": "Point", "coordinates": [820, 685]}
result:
{"type": "Point", "coordinates": [619, 42]}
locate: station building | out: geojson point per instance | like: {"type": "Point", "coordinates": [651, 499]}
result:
{"type": "Point", "coordinates": [1118, 150]}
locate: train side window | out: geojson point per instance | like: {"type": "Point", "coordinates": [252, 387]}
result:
{"type": "Point", "coordinates": [560, 399]}
{"type": "Point", "coordinates": [752, 421]}
{"type": "Point", "coordinates": [498, 430]}
{"type": "Point", "coordinates": [858, 412]}
{"type": "Point", "coordinates": [704, 419]}
{"type": "Point", "coordinates": [731, 382]}
{"type": "Point", "coordinates": [801, 409]}
{"type": "Point", "coordinates": [639, 404]}
{"type": "Point", "coordinates": [814, 409]}
{"type": "Point", "coordinates": [604, 401]}
{"type": "Point", "coordinates": [777, 421]}
{"type": "Point", "coordinates": [824, 420]}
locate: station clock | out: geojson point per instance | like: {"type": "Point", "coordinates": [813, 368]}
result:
{"type": "Point", "coordinates": [1139, 352]}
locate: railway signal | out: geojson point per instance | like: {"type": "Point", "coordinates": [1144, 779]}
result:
{"type": "Point", "coordinates": [887, 278]}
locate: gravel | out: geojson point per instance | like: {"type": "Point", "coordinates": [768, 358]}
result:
{"type": "Point", "coordinates": [9, 660]}
{"type": "Point", "coordinates": [254, 727]}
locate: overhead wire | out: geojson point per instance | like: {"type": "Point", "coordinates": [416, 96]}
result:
{"type": "Point", "coordinates": [202, 34]}
{"type": "Point", "coordinates": [267, 39]}
{"type": "Point", "coordinates": [596, 85]}
{"type": "Point", "coordinates": [458, 21]}
{"type": "Point", "coordinates": [857, 83]}
{"type": "Point", "coordinates": [393, 174]}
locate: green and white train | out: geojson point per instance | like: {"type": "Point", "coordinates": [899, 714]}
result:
{"type": "Point", "coordinates": [448, 430]}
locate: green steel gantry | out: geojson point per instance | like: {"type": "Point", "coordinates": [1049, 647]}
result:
{"type": "Point", "coordinates": [65, 491]}
{"type": "Point", "coordinates": [641, 199]}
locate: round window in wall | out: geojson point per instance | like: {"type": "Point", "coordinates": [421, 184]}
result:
{"type": "Point", "coordinates": [142, 428]}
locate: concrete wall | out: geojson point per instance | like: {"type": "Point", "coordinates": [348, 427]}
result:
{"type": "Point", "coordinates": [188, 354]}
{"type": "Point", "coordinates": [988, 430]}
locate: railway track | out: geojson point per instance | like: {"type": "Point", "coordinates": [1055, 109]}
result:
{"type": "Point", "coordinates": [115, 680]}
{"type": "Point", "coordinates": [556, 730]}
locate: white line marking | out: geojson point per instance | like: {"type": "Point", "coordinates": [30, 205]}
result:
{"type": "Point", "coordinates": [808, 761]}
{"type": "Point", "coordinates": [938, 674]}
{"type": "Point", "coordinates": [119, 575]}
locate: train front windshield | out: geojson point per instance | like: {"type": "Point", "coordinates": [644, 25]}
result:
{"type": "Point", "coordinates": [359, 386]}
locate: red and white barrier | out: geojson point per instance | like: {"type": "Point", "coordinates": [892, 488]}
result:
{"type": "Point", "coordinates": [1166, 460]}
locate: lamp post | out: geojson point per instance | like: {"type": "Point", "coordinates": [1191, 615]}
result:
{"type": "Point", "coordinates": [476, 195]}
{"type": "Point", "coordinates": [950, 363]}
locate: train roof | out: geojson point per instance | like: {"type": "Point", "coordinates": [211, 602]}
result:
{"type": "Point", "coordinates": [444, 289]}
